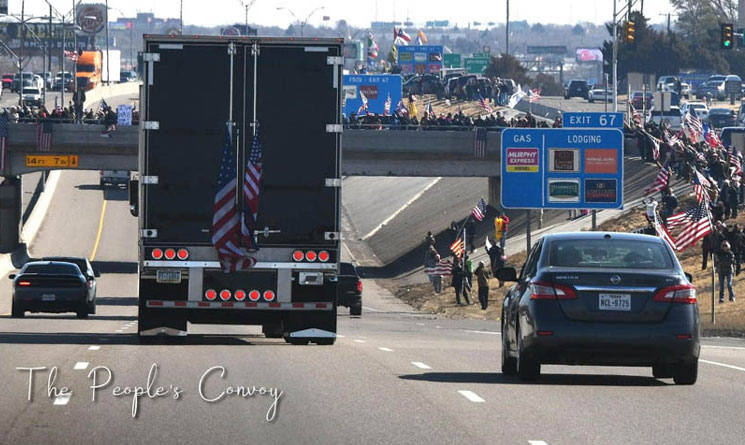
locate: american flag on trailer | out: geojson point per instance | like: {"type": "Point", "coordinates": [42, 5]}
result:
{"type": "Point", "coordinates": [251, 191]}
{"type": "Point", "coordinates": [698, 227]}
{"type": "Point", "coordinates": [479, 211]}
{"type": "Point", "coordinates": [44, 136]}
{"type": "Point", "coordinates": [3, 142]}
{"type": "Point", "coordinates": [444, 267]}
{"type": "Point", "coordinates": [479, 143]}
{"type": "Point", "coordinates": [225, 221]}
{"type": "Point", "coordinates": [458, 247]}
{"type": "Point", "coordinates": [484, 105]}
{"type": "Point", "coordinates": [660, 181]}
{"type": "Point", "coordinates": [387, 106]}
{"type": "Point", "coordinates": [534, 95]}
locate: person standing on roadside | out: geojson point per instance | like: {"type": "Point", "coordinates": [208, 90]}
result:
{"type": "Point", "coordinates": [431, 260]}
{"type": "Point", "coordinates": [725, 267]}
{"type": "Point", "coordinates": [482, 277]}
{"type": "Point", "coordinates": [429, 240]}
{"type": "Point", "coordinates": [459, 283]}
{"type": "Point", "coordinates": [501, 223]}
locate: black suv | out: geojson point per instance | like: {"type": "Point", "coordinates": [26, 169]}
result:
{"type": "Point", "coordinates": [349, 288]}
{"type": "Point", "coordinates": [577, 88]}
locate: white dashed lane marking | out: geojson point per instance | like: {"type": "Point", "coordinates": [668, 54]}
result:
{"type": "Point", "coordinates": [722, 347]}
{"type": "Point", "coordinates": [472, 396]}
{"type": "Point", "coordinates": [723, 365]}
{"type": "Point", "coordinates": [359, 341]}
{"type": "Point", "coordinates": [486, 332]}
{"type": "Point", "coordinates": [62, 399]}
{"type": "Point", "coordinates": [339, 336]}
{"type": "Point", "coordinates": [94, 348]}
{"type": "Point", "coordinates": [421, 365]}
{"type": "Point", "coordinates": [385, 349]}
{"type": "Point", "coordinates": [81, 365]}
{"type": "Point", "coordinates": [537, 442]}
{"type": "Point", "coordinates": [420, 324]}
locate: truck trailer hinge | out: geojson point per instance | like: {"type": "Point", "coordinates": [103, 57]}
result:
{"type": "Point", "coordinates": [151, 57]}
{"type": "Point", "coordinates": [333, 182]}
{"type": "Point", "coordinates": [231, 49]}
{"type": "Point", "coordinates": [334, 128]}
{"type": "Point", "coordinates": [149, 233]}
{"type": "Point", "coordinates": [150, 125]}
{"type": "Point", "coordinates": [334, 60]}
{"type": "Point", "coordinates": [255, 49]}
{"type": "Point", "coordinates": [149, 180]}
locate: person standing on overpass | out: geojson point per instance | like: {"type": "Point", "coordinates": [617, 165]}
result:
{"type": "Point", "coordinates": [79, 101]}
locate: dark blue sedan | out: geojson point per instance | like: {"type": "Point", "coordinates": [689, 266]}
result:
{"type": "Point", "coordinates": [607, 299]}
{"type": "Point", "coordinates": [53, 286]}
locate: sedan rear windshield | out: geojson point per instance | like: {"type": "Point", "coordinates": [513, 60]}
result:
{"type": "Point", "coordinates": [603, 253]}
{"type": "Point", "coordinates": [53, 269]}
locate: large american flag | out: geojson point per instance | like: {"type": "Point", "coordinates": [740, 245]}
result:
{"type": "Point", "coordinates": [444, 267]}
{"type": "Point", "coordinates": [479, 211]}
{"type": "Point", "coordinates": [484, 105]}
{"type": "Point", "coordinates": [3, 142]}
{"type": "Point", "coordinates": [663, 233]}
{"type": "Point", "coordinates": [660, 181]}
{"type": "Point", "coordinates": [693, 124]}
{"type": "Point", "coordinates": [44, 136]}
{"type": "Point", "coordinates": [251, 191]}
{"type": "Point", "coordinates": [696, 227]}
{"type": "Point", "coordinates": [702, 187]}
{"type": "Point", "coordinates": [225, 222]}
{"type": "Point", "coordinates": [479, 143]}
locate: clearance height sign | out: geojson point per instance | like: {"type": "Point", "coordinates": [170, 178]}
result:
{"type": "Point", "coordinates": [562, 168]}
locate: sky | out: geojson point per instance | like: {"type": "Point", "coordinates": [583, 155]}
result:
{"type": "Point", "coordinates": [360, 13]}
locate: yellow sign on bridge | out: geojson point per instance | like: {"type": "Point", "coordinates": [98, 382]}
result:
{"type": "Point", "coordinates": [52, 161]}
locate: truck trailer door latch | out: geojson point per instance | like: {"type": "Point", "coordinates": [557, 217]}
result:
{"type": "Point", "coordinates": [149, 233]}
{"type": "Point", "coordinates": [149, 180]}
{"type": "Point", "coordinates": [334, 128]}
{"type": "Point", "coordinates": [333, 182]}
{"type": "Point", "coordinates": [266, 231]}
{"type": "Point", "coordinates": [150, 125]}
{"type": "Point", "coordinates": [330, 236]}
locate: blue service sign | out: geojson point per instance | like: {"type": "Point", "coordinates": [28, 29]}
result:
{"type": "Point", "coordinates": [593, 120]}
{"type": "Point", "coordinates": [560, 168]}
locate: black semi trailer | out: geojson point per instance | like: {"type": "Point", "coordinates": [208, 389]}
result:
{"type": "Point", "coordinates": [194, 89]}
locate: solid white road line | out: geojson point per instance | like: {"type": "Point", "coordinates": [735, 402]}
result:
{"type": "Point", "coordinates": [119, 330]}
{"type": "Point", "coordinates": [421, 365]}
{"type": "Point", "coordinates": [81, 365]}
{"type": "Point", "coordinates": [722, 364]}
{"type": "Point", "coordinates": [94, 348]}
{"type": "Point", "coordinates": [359, 341]}
{"type": "Point", "coordinates": [339, 336]}
{"type": "Point", "coordinates": [385, 349]}
{"type": "Point", "coordinates": [722, 347]}
{"type": "Point", "coordinates": [397, 212]}
{"type": "Point", "coordinates": [62, 399]}
{"type": "Point", "coordinates": [371, 309]}
{"type": "Point", "coordinates": [472, 396]}
{"type": "Point", "coordinates": [537, 442]}
{"type": "Point", "coordinates": [486, 332]}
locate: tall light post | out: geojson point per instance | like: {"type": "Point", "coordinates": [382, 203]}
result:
{"type": "Point", "coordinates": [507, 30]}
{"type": "Point", "coordinates": [247, 5]}
{"type": "Point", "coordinates": [302, 23]}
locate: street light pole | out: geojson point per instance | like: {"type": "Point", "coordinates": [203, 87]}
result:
{"type": "Point", "coordinates": [181, 27]}
{"type": "Point", "coordinates": [615, 57]}
{"type": "Point", "coordinates": [20, 55]}
{"type": "Point", "coordinates": [507, 31]}
{"type": "Point", "coordinates": [108, 63]}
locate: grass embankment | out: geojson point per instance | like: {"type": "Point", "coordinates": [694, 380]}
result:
{"type": "Point", "coordinates": [730, 317]}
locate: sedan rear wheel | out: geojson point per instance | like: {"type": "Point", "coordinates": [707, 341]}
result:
{"type": "Point", "coordinates": [527, 368]}
{"type": "Point", "coordinates": [509, 364]}
{"type": "Point", "coordinates": [686, 373]}
{"type": "Point", "coordinates": [16, 311]}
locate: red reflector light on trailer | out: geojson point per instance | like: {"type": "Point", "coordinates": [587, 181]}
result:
{"type": "Point", "coordinates": [298, 255]}
{"type": "Point", "coordinates": [211, 294]}
{"type": "Point", "coordinates": [24, 283]}
{"type": "Point", "coordinates": [254, 295]}
{"type": "Point", "coordinates": [182, 254]}
{"type": "Point", "coordinates": [240, 295]}
{"type": "Point", "coordinates": [224, 294]}
{"type": "Point", "coordinates": [170, 254]}
{"type": "Point", "coordinates": [310, 255]}
{"type": "Point", "coordinates": [156, 254]}
{"type": "Point", "coordinates": [323, 256]}
{"type": "Point", "coordinates": [269, 295]}
{"type": "Point", "coordinates": [545, 333]}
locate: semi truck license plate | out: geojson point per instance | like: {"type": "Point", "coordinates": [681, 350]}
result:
{"type": "Point", "coordinates": [168, 276]}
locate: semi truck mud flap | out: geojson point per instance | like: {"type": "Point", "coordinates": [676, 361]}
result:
{"type": "Point", "coordinates": [163, 330]}
{"type": "Point", "coordinates": [312, 333]}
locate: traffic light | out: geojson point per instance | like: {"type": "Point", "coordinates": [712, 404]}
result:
{"type": "Point", "coordinates": [629, 29]}
{"type": "Point", "coordinates": [728, 32]}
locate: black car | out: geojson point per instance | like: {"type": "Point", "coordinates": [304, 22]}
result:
{"type": "Point", "coordinates": [349, 289]}
{"type": "Point", "coordinates": [424, 84]}
{"type": "Point", "coordinates": [722, 117]}
{"type": "Point", "coordinates": [607, 299]}
{"type": "Point", "coordinates": [53, 286]}
{"type": "Point", "coordinates": [577, 88]}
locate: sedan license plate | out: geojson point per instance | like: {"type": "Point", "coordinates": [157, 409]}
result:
{"type": "Point", "coordinates": [168, 276]}
{"type": "Point", "coordinates": [48, 297]}
{"type": "Point", "coordinates": [615, 302]}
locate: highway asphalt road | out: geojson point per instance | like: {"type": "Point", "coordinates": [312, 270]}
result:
{"type": "Point", "coordinates": [394, 377]}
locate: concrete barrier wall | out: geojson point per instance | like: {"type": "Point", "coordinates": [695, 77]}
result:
{"type": "Point", "coordinates": [93, 96]}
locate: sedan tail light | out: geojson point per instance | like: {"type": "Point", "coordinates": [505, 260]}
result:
{"type": "Point", "coordinates": [682, 293]}
{"type": "Point", "coordinates": [540, 290]}
{"type": "Point", "coordinates": [90, 284]}
{"type": "Point", "coordinates": [24, 283]}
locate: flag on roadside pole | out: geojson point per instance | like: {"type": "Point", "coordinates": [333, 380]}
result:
{"type": "Point", "coordinates": [458, 247]}
{"type": "Point", "coordinates": [363, 107]}
{"type": "Point", "coordinates": [697, 227]}
{"type": "Point", "coordinates": [663, 233]}
{"type": "Point", "coordinates": [387, 106]}
{"type": "Point", "coordinates": [479, 211]}
{"type": "Point", "coordinates": [44, 136]}
{"type": "Point", "coordinates": [660, 182]}
{"type": "Point", "coordinates": [479, 143]}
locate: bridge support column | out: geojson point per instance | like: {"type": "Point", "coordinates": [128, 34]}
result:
{"type": "Point", "coordinates": [495, 192]}
{"type": "Point", "coordinates": [10, 214]}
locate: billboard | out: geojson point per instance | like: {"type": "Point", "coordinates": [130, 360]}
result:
{"type": "Point", "coordinates": [558, 49]}
{"type": "Point", "coordinates": [424, 59]}
{"type": "Point", "coordinates": [589, 55]}
{"type": "Point", "coordinates": [10, 33]}
{"type": "Point", "coordinates": [375, 87]}
{"type": "Point", "coordinates": [91, 17]}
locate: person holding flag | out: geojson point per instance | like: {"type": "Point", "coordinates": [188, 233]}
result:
{"type": "Point", "coordinates": [501, 223]}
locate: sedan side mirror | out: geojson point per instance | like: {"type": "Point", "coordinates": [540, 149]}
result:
{"type": "Point", "coordinates": [507, 274]}
{"type": "Point", "coordinates": [11, 276]}
{"type": "Point", "coordinates": [689, 277]}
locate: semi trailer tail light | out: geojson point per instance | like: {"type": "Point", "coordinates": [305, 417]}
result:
{"type": "Point", "coordinates": [310, 255]}
{"type": "Point", "coordinates": [323, 256]}
{"type": "Point", "coordinates": [547, 291]}
{"type": "Point", "coordinates": [298, 255]}
{"type": "Point", "coordinates": [682, 293]}
{"type": "Point", "coordinates": [269, 295]}
{"type": "Point", "coordinates": [254, 295]}
{"type": "Point", "coordinates": [157, 254]}
{"type": "Point", "coordinates": [211, 294]}
{"type": "Point", "coordinates": [240, 295]}
{"type": "Point", "coordinates": [182, 254]}
{"type": "Point", "coordinates": [224, 295]}
{"type": "Point", "coordinates": [170, 254]}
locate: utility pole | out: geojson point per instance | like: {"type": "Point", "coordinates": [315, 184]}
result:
{"type": "Point", "coordinates": [20, 54]}
{"type": "Point", "coordinates": [108, 72]}
{"type": "Point", "coordinates": [507, 30]}
{"type": "Point", "coordinates": [181, 28]}
{"type": "Point", "coordinates": [615, 57]}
